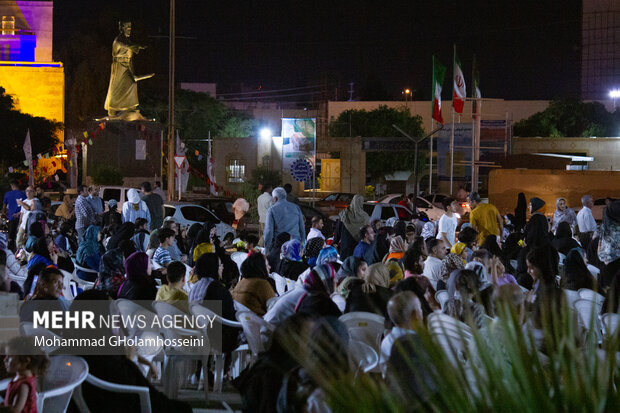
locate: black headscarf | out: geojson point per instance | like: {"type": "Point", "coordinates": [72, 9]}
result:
{"type": "Point", "coordinates": [400, 228]}
{"type": "Point", "coordinates": [576, 273]}
{"type": "Point", "coordinates": [512, 247]}
{"type": "Point", "coordinates": [490, 244]}
{"type": "Point", "coordinates": [537, 231]}
{"type": "Point", "coordinates": [40, 248]}
{"type": "Point", "coordinates": [125, 231]}
{"type": "Point", "coordinates": [520, 212]}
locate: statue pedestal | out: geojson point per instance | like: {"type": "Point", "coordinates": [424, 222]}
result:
{"type": "Point", "coordinates": [134, 148]}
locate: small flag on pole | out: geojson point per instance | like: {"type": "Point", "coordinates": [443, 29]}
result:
{"type": "Point", "coordinates": [458, 86]}
{"type": "Point", "coordinates": [439, 71]}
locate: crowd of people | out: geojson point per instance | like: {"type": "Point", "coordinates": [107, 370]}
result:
{"type": "Point", "coordinates": [393, 269]}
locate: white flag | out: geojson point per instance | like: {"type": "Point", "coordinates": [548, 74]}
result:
{"type": "Point", "coordinates": [28, 152]}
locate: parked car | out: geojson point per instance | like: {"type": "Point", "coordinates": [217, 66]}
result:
{"type": "Point", "coordinates": [221, 207]}
{"type": "Point", "coordinates": [332, 204]}
{"type": "Point", "coordinates": [306, 210]}
{"type": "Point", "coordinates": [187, 214]}
{"type": "Point", "coordinates": [385, 211]}
{"type": "Point", "coordinates": [423, 205]}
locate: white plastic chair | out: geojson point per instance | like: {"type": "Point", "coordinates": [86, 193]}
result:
{"type": "Point", "coordinates": [239, 353]}
{"type": "Point", "coordinates": [238, 258]}
{"type": "Point", "coordinates": [588, 316]}
{"type": "Point", "coordinates": [251, 324]}
{"type": "Point", "coordinates": [128, 308]}
{"type": "Point", "coordinates": [174, 356]}
{"type": "Point", "coordinates": [281, 283]}
{"type": "Point", "coordinates": [365, 327]}
{"type": "Point", "coordinates": [26, 328]}
{"type": "Point", "coordinates": [83, 284]}
{"type": "Point", "coordinates": [442, 297]}
{"type": "Point", "coordinates": [155, 265]}
{"type": "Point", "coordinates": [452, 335]}
{"type": "Point", "coordinates": [593, 270]}
{"type": "Point", "coordinates": [54, 390]}
{"type": "Point", "coordinates": [142, 392]}
{"type": "Point", "coordinates": [588, 294]}
{"type": "Point", "coordinates": [362, 356]}
{"type": "Point", "coordinates": [571, 297]}
{"type": "Point", "coordinates": [611, 322]}
{"type": "Point", "coordinates": [561, 260]}
{"type": "Point", "coordinates": [339, 300]}
{"type": "Point", "coordinates": [240, 307]}
{"type": "Point", "coordinates": [67, 277]}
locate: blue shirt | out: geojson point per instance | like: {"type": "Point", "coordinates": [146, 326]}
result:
{"type": "Point", "coordinates": [10, 200]}
{"type": "Point", "coordinates": [161, 256]}
{"type": "Point", "coordinates": [361, 249]}
{"type": "Point", "coordinates": [96, 204]}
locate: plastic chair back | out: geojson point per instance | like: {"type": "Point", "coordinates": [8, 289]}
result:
{"type": "Point", "coordinates": [128, 308]}
{"type": "Point", "coordinates": [280, 283]}
{"type": "Point", "coordinates": [441, 297]}
{"type": "Point", "coordinates": [588, 316]}
{"type": "Point", "coordinates": [251, 324]}
{"type": "Point", "coordinates": [362, 356]}
{"type": "Point", "coordinates": [452, 335]}
{"type": "Point", "coordinates": [588, 294]}
{"type": "Point", "coordinates": [571, 297]}
{"type": "Point", "coordinates": [26, 328]}
{"type": "Point", "coordinates": [55, 389]}
{"type": "Point", "coordinates": [238, 258]}
{"type": "Point", "coordinates": [611, 322]}
{"type": "Point", "coordinates": [365, 327]}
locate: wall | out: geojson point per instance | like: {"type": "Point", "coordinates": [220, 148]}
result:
{"type": "Point", "coordinates": [40, 18]}
{"type": "Point", "coordinates": [606, 151]}
{"type": "Point", "coordinates": [225, 149]}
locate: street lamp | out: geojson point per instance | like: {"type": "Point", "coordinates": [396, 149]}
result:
{"type": "Point", "coordinates": [265, 133]}
{"type": "Point", "coordinates": [407, 92]}
{"type": "Point", "coordinates": [614, 94]}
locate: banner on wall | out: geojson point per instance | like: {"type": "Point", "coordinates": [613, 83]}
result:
{"type": "Point", "coordinates": [298, 141]}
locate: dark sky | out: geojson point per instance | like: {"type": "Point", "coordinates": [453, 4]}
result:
{"type": "Point", "coordinates": [525, 49]}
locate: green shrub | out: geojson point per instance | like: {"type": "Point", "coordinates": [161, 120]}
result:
{"type": "Point", "coordinates": [108, 175]}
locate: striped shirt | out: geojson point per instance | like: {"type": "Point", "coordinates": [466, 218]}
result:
{"type": "Point", "coordinates": [84, 214]}
{"type": "Point", "coordinates": [162, 256]}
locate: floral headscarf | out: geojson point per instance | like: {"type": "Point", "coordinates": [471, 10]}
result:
{"type": "Point", "coordinates": [397, 245]}
{"type": "Point", "coordinates": [450, 263]}
{"type": "Point", "coordinates": [428, 231]}
{"type": "Point", "coordinates": [292, 250]}
{"type": "Point", "coordinates": [327, 255]}
{"type": "Point", "coordinates": [457, 248]}
{"type": "Point", "coordinates": [568, 215]}
{"type": "Point", "coordinates": [313, 247]}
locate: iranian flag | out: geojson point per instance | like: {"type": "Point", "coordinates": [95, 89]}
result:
{"type": "Point", "coordinates": [475, 93]}
{"type": "Point", "coordinates": [439, 71]}
{"type": "Point", "coordinates": [458, 86]}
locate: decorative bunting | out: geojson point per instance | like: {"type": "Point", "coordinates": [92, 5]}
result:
{"type": "Point", "coordinates": [90, 141]}
{"type": "Point", "coordinates": [200, 157]}
{"type": "Point", "coordinates": [10, 169]}
{"type": "Point", "coordinates": [56, 178]}
{"type": "Point", "coordinates": [101, 126]}
{"type": "Point", "coordinates": [38, 156]}
{"type": "Point", "coordinates": [85, 134]}
{"type": "Point", "coordinates": [25, 163]}
{"type": "Point", "coordinates": [196, 152]}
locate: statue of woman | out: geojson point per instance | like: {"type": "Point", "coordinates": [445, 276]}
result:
{"type": "Point", "coordinates": [122, 99]}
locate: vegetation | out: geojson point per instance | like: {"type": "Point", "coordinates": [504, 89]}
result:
{"type": "Point", "coordinates": [108, 175]}
{"type": "Point", "coordinates": [15, 125]}
{"type": "Point", "coordinates": [570, 118]}
{"type": "Point", "coordinates": [378, 123]}
{"type": "Point", "coordinates": [260, 175]}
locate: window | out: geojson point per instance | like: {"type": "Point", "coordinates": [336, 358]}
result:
{"type": "Point", "coordinates": [369, 208]}
{"type": "Point", "coordinates": [345, 197]}
{"type": "Point", "coordinates": [403, 213]}
{"type": "Point", "coordinates": [331, 197]}
{"type": "Point", "coordinates": [170, 211]}
{"type": "Point", "coordinates": [111, 193]}
{"type": "Point", "coordinates": [8, 25]}
{"type": "Point", "coordinates": [387, 212]}
{"type": "Point", "coordinates": [198, 214]}
{"type": "Point", "coordinates": [236, 170]}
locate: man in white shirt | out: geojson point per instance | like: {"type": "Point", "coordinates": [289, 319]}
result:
{"type": "Point", "coordinates": [31, 203]}
{"type": "Point", "coordinates": [405, 311]}
{"type": "Point", "coordinates": [317, 226]}
{"type": "Point", "coordinates": [585, 221]}
{"type": "Point", "coordinates": [432, 266]}
{"type": "Point", "coordinates": [448, 222]}
{"type": "Point", "coordinates": [264, 201]}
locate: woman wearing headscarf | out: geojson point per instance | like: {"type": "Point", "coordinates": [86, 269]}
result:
{"type": "Point", "coordinates": [36, 232]}
{"type": "Point", "coordinates": [576, 273]}
{"type": "Point", "coordinates": [373, 294]}
{"type": "Point", "coordinates": [291, 265]}
{"type": "Point", "coordinates": [490, 244]}
{"type": "Point", "coordinates": [255, 287]}
{"type": "Point", "coordinates": [520, 212]}
{"type": "Point", "coordinates": [428, 230]}
{"type": "Point", "coordinates": [460, 250]}
{"type": "Point", "coordinates": [536, 205]}
{"type": "Point", "coordinates": [139, 285]}
{"type": "Point", "coordinates": [397, 249]}
{"type": "Point", "coordinates": [328, 255]}
{"type": "Point", "coordinates": [274, 255]}
{"type": "Point", "coordinates": [111, 272]}
{"type": "Point", "coordinates": [312, 249]}
{"type": "Point", "coordinates": [400, 229]}
{"type": "Point", "coordinates": [135, 208]}
{"type": "Point", "coordinates": [318, 287]}
{"type": "Point", "coordinates": [563, 240]}
{"type": "Point", "coordinates": [124, 232]}
{"type": "Point", "coordinates": [563, 214]}
{"type": "Point", "coordinates": [450, 263]}
{"type": "Point", "coordinates": [44, 252]}
{"type": "Point", "coordinates": [89, 253]}
{"type": "Point", "coordinates": [65, 210]}
{"type": "Point", "coordinates": [192, 233]}
{"type": "Point", "coordinates": [351, 267]}
{"type": "Point", "coordinates": [609, 243]}
{"type": "Point", "coordinates": [202, 245]}
{"type": "Point", "coordinates": [352, 219]}
{"type": "Point", "coordinates": [536, 235]}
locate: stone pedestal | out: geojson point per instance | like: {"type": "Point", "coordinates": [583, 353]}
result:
{"type": "Point", "coordinates": [134, 148]}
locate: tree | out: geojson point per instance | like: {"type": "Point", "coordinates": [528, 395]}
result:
{"type": "Point", "coordinates": [15, 124]}
{"type": "Point", "coordinates": [570, 118]}
{"type": "Point", "coordinates": [378, 123]}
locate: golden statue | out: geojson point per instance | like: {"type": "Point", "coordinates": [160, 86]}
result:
{"type": "Point", "coordinates": [122, 99]}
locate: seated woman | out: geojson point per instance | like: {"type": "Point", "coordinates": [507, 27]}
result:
{"type": "Point", "coordinates": [255, 287]}
{"type": "Point", "coordinates": [312, 249]}
{"type": "Point", "coordinates": [47, 294]}
{"type": "Point", "coordinates": [36, 232]}
{"type": "Point", "coordinates": [111, 272]}
{"type": "Point", "coordinates": [89, 254]}
{"type": "Point", "coordinates": [66, 241]}
{"type": "Point", "coordinates": [563, 240]}
{"type": "Point", "coordinates": [203, 244]}
{"type": "Point", "coordinates": [209, 287]}
{"type": "Point", "coordinates": [139, 285]}
{"type": "Point", "coordinates": [467, 283]}
{"type": "Point", "coordinates": [576, 273]}
{"type": "Point", "coordinates": [291, 265]}
{"type": "Point", "coordinates": [397, 249]}
{"type": "Point", "coordinates": [43, 251]}
{"type": "Point", "coordinates": [6, 284]}
{"type": "Point", "coordinates": [318, 287]}
{"type": "Point", "coordinates": [414, 266]}
{"type": "Point", "coordinates": [373, 294]}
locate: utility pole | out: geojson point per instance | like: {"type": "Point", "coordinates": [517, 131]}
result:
{"type": "Point", "coordinates": [171, 140]}
{"type": "Point", "coordinates": [351, 91]}
{"type": "Point", "coordinates": [415, 159]}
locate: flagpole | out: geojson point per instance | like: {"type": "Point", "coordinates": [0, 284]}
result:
{"type": "Point", "coordinates": [430, 141]}
{"type": "Point", "coordinates": [452, 129]}
{"type": "Point", "coordinates": [473, 121]}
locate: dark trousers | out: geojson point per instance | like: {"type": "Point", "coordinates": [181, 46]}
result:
{"type": "Point", "coordinates": [13, 227]}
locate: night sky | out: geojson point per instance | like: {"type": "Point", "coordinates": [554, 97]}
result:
{"type": "Point", "coordinates": [525, 49]}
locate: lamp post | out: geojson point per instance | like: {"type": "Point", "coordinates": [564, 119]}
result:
{"type": "Point", "coordinates": [614, 94]}
{"type": "Point", "coordinates": [171, 126]}
{"type": "Point", "coordinates": [408, 93]}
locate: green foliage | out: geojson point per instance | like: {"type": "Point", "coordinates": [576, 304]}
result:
{"type": "Point", "coordinates": [263, 176]}
{"type": "Point", "coordinates": [369, 192]}
{"type": "Point", "coordinates": [378, 123]}
{"type": "Point", "coordinates": [108, 175]}
{"type": "Point", "coordinates": [15, 125]}
{"type": "Point", "coordinates": [570, 118]}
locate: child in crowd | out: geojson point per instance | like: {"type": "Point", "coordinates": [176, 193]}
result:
{"type": "Point", "coordinates": [142, 237]}
{"type": "Point", "coordinates": [173, 292]}
{"type": "Point", "coordinates": [26, 361]}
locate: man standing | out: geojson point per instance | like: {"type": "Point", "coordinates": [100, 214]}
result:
{"type": "Point", "coordinates": [84, 214]}
{"type": "Point", "coordinates": [95, 202]}
{"type": "Point", "coordinates": [484, 218]}
{"type": "Point", "coordinates": [155, 204]}
{"type": "Point", "coordinates": [404, 201]}
{"type": "Point", "coordinates": [585, 221]}
{"type": "Point", "coordinates": [448, 222]}
{"type": "Point", "coordinates": [31, 203]}
{"type": "Point", "coordinates": [263, 202]}
{"type": "Point", "coordinates": [283, 216]}
{"type": "Point", "coordinates": [432, 266]}
{"type": "Point", "coordinates": [13, 209]}
{"type": "Point", "coordinates": [363, 249]}
{"type": "Point", "coordinates": [159, 191]}
{"type": "Point", "coordinates": [289, 194]}
{"type": "Point", "coordinates": [317, 226]}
